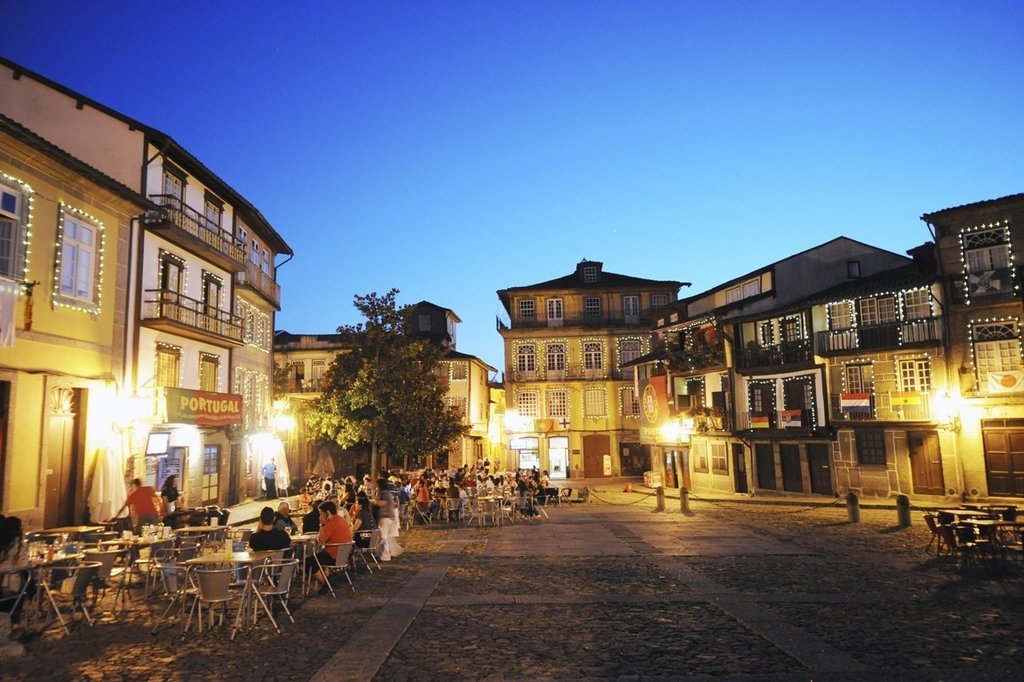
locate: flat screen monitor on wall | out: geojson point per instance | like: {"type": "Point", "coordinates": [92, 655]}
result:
{"type": "Point", "coordinates": [157, 443]}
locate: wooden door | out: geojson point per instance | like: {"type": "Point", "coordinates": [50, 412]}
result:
{"type": "Point", "coordinates": [1004, 461]}
{"type": "Point", "coordinates": [792, 477]}
{"type": "Point", "coordinates": [62, 459]}
{"type": "Point", "coordinates": [595, 448]}
{"type": "Point", "coordinates": [739, 467]}
{"type": "Point", "coordinates": [820, 468]}
{"type": "Point", "coordinates": [926, 463]}
{"type": "Point", "coordinates": [765, 466]}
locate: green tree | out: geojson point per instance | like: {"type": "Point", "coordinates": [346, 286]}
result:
{"type": "Point", "coordinates": [385, 390]}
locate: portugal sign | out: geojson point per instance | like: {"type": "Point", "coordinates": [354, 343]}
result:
{"type": "Point", "coordinates": [203, 408]}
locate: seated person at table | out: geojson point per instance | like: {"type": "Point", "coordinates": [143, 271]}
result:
{"type": "Point", "coordinates": [334, 528]}
{"type": "Point", "coordinates": [142, 501]}
{"type": "Point", "coordinates": [362, 520]}
{"type": "Point", "coordinates": [267, 537]}
{"type": "Point", "coordinates": [311, 521]}
{"type": "Point", "coordinates": [13, 555]}
{"type": "Point", "coordinates": [283, 519]}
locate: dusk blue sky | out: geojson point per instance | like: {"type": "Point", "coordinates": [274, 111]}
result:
{"type": "Point", "coordinates": [451, 149]}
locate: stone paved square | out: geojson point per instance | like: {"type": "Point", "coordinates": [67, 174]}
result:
{"type": "Point", "coordinates": [608, 590]}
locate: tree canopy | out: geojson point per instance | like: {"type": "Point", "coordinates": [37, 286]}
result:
{"type": "Point", "coordinates": [384, 389]}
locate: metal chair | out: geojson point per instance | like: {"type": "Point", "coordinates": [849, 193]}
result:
{"type": "Point", "coordinates": [274, 580]}
{"type": "Point", "coordinates": [109, 571]}
{"type": "Point", "coordinates": [372, 548]}
{"type": "Point", "coordinates": [341, 563]}
{"type": "Point", "coordinates": [82, 575]}
{"type": "Point", "coordinates": [213, 588]}
{"type": "Point", "coordinates": [453, 509]}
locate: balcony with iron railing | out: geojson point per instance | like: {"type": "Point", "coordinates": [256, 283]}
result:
{"type": "Point", "coordinates": [185, 225]}
{"type": "Point", "coordinates": [577, 319]}
{"type": "Point", "coordinates": [791, 421]}
{"type": "Point", "coordinates": [263, 284]}
{"type": "Point", "coordinates": [785, 353]}
{"type": "Point", "coordinates": [876, 337]}
{"type": "Point", "coordinates": [886, 406]}
{"type": "Point", "coordinates": [301, 385]}
{"type": "Point", "coordinates": [572, 372]}
{"type": "Point", "coordinates": [178, 314]}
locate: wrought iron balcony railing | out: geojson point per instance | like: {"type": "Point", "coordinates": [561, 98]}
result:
{"type": "Point", "coordinates": [189, 315]}
{"type": "Point", "coordinates": [189, 221]}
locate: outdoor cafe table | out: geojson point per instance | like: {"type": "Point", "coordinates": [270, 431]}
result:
{"type": "Point", "coordinates": [41, 568]}
{"type": "Point", "coordinates": [72, 530]}
{"type": "Point", "coordinates": [247, 559]}
{"type": "Point", "coordinates": [308, 541]}
{"type": "Point", "coordinates": [948, 515]}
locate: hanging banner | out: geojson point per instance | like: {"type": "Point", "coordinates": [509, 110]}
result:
{"type": "Point", "coordinates": [791, 418]}
{"type": "Point", "coordinates": [185, 406]}
{"type": "Point", "coordinates": [1006, 382]}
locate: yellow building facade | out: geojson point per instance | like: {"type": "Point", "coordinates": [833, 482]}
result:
{"type": "Point", "coordinates": [64, 230]}
{"type": "Point", "coordinates": [572, 407]}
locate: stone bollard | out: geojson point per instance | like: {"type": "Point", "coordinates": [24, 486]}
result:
{"type": "Point", "coordinates": [903, 511]}
{"type": "Point", "coordinates": [684, 500]}
{"type": "Point", "coordinates": [660, 506]}
{"type": "Point", "coordinates": [853, 507]}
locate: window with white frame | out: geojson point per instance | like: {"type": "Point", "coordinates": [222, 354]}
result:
{"type": "Point", "coordinates": [719, 461]}
{"type": "Point", "coordinates": [527, 403]}
{"type": "Point", "coordinates": [78, 270]}
{"type": "Point", "coordinates": [595, 402]}
{"type": "Point", "coordinates": [915, 375]}
{"type": "Point", "coordinates": [996, 349]}
{"type": "Point", "coordinates": [174, 186]}
{"type": "Point", "coordinates": [840, 315]}
{"type": "Point", "coordinates": [734, 294]}
{"type": "Point", "coordinates": [859, 377]}
{"type": "Point", "coordinates": [589, 274]}
{"type": "Point", "coordinates": [630, 403]}
{"type": "Point", "coordinates": [527, 309]}
{"type": "Point", "coordinates": [13, 226]}
{"type": "Point", "coordinates": [658, 300]}
{"type": "Point", "coordinates": [526, 358]}
{"type": "Point", "coordinates": [629, 350]}
{"type": "Point", "coordinates": [593, 355]}
{"type": "Point", "coordinates": [591, 306]}
{"type": "Point", "coordinates": [631, 308]}
{"type": "Point", "coordinates": [876, 310]}
{"type": "Point", "coordinates": [212, 210]}
{"type": "Point", "coordinates": [556, 357]}
{"type": "Point", "coordinates": [459, 403]}
{"type": "Point", "coordinates": [554, 306]}
{"type": "Point", "coordinates": [209, 371]}
{"type": "Point", "coordinates": [987, 261]}
{"type": "Point", "coordinates": [316, 373]}
{"type": "Point", "coordinates": [558, 403]}
{"type": "Point", "coordinates": [751, 288]}
{"type": "Point", "coordinates": [917, 304]}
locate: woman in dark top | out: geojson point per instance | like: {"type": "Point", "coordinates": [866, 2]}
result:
{"type": "Point", "coordinates": [170, 498]}
{"type": "Point", "coordinates": [363, 521]}
{"type": "Point", "coordinates": [311, 521]}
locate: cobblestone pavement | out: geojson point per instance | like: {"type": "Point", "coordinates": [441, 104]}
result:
{"type": "Point", "coordinates": [610, 590]}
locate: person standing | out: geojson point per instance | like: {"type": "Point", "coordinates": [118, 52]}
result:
{"type": "Point", "coordinates": [142, 502]}
{"type": "Point", "coordinates": [270, 478]}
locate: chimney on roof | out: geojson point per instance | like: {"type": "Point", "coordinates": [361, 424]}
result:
{"type": "Point", "coordinates": [925, 258]}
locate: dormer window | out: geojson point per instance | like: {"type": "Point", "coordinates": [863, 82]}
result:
{"type": "Point", "coordinates": [853, 269]}
{"type": "Point", "coordinates": [589, 274]}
